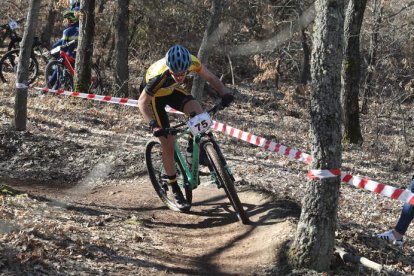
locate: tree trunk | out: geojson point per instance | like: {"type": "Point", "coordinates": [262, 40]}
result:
{"type": "Point", "coordinates": [20, 106]}
{"type": "Point", "coordinates": [372, 55]}
{"type": "Point", "coordinates": [85, 47]}
{"type": "Point", "coordinates": [314, 242]}
{"type": "Point", "coordinates": [109, 56]}
{"type": "Point", "coordinates": [121, 71]}
{"type": "Point", "coordinates": [351, 70]}
{"type": "Point", "coordinates": [50, 22]}
{"type": "Point", "coordinates": [305, 72]}
{"type": "Point", "coordinates": [206, 44]}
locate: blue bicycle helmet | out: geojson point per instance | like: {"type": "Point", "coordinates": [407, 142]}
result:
{"type": "Point", "coordinates": [178, 59]}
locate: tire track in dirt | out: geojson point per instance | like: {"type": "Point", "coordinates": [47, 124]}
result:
{"type": "Point", "coordinates": [207, 240]}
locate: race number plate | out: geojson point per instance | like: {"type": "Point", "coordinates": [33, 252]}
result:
{"type": "Point", "coordinates": [200, 123]}
{"type": "Point", "coordinates": [13, 25]}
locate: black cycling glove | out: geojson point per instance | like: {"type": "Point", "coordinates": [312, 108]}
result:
{"type": "Point", "coordinates": [226, 100]}
{"type": "Point", "coordinates": [153, 124]}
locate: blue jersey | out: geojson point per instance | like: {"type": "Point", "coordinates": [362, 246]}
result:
{"type": "Point", "coordinates": [69, 34]}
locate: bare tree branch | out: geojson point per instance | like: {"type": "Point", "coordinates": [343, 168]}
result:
{"type": "Point", "coordinates": [402, 9]}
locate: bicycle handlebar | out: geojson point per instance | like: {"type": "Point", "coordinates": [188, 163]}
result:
{"type": "Point", "coordinates": [174, 130]}
{"type": "Point", "coordinates": [63, 46]}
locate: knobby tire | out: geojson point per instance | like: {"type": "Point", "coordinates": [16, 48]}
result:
{"type": "Point", "coordinates": [226, 182]}
{"type": "Point", "coordinates": [155, 170]}
{"type": "Point", "coordinates": [9, 62]}
{"type": "Point", "coordinates": [64, 79]}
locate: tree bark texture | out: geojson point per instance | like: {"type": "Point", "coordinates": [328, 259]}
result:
{"type": "Point", "coordinates": [313, 246]}
{"type": "Point", "coordinates": [351, 71]}
{"type": "Point", "coordinates": [197, 89]}
{"type": "Point", "coordinates": [372, 55]}
{"type": "Point", "coordinates": [20, 105]}
{"type": "Point", "coordinates": [305, 72]}
{"type": "Point", "coordinates": [305, 69]}
{"type": "Point", "coordinates": [85, 47]}
{"type": "Point", "coordinates": [121, 71]}
{"type": "Point", "coordinates": [50, 22]}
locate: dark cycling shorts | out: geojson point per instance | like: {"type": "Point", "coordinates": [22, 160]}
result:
{"type": "Point", "coordinates": [177, 100]}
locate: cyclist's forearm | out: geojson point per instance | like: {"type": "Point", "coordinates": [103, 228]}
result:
{"type": "Point", "coordinates": [214, 81]}
{"type": "Point", "coordinates": [144, 106]}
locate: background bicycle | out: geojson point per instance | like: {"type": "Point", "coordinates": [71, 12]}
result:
{"type": "Point", "coordinates": [9, 36]}
{"type": "Point", "coordinates": [9, 62]}
{"type": "Point", "coordinates": [205, 151]}
{"type": "Point", "coordinates": [59, 72]}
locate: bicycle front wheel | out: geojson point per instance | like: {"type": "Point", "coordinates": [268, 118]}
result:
{"type": "Point", "coordinates": [226, 182]}
{"type": "Point", "coordinates": [156, 172]}
{"type": "Point", "coordinates": [58, 77]}
{"type": "Point", "coordinates": [9, 63]}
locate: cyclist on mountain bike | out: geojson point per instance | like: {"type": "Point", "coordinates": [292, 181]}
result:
{"type": "Point", "coordinates": [161, 87]}
{"type": "Point", "coordinates": [71, 22]}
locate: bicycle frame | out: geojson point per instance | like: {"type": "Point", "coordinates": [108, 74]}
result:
{"type": "Point", "coordinates": [193, 172]}
{"type": "Point", "coordinates": [67, 61]}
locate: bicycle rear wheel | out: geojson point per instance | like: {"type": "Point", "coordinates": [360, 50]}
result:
{"type": "Point", "coordinates": [226, 182]}
{"type": "Point", "coordinates": [9, 63]}
{"type": "Point", "coordinates": [58, 77]}
{"type": "Point", "coordinates": [156, 172]}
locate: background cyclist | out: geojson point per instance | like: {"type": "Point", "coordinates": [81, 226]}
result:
{"type": "Point", "coordinates": [161, 87]}
{"type": "Point", "coordinates": [71, 32]}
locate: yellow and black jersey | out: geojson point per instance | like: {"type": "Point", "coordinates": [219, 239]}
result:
{"type": "Point", "coordinates": [158, 80]}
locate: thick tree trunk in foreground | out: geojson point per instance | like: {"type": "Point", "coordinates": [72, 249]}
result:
{"type": "Point", "coordinates": [314, 242]}
{"type": "Point", "coordinates": [22, 80]}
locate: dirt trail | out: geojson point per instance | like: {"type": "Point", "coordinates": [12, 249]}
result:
{"type": "Point", "coordinates": [207, 240]}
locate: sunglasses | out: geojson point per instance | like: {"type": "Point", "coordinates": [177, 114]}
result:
{"type": "Point", "coordinates": [178, 75]}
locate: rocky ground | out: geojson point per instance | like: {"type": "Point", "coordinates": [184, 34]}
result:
{"type": "Point", "coordinates": [76, 199]}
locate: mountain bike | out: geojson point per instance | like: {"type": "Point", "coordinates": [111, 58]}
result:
{"type": "Point", "coordinates": [204, 147]}
{"type": "Point", "coordinates": [59, 72]}
{"type": "Point", "coordinates": [8, 31]}
{"type": "Point", "coordinates": [9, 62]}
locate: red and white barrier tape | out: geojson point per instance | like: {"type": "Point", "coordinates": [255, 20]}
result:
{"type": "Point", "coordinates": [405, 196]}
{"type": "Point", "coordinates": [95, 97]}
{"type": "Point", "coordinates": [322, 174]}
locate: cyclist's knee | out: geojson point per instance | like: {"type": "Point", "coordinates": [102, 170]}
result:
{"type": "Point", "coordinates": [192, 106]}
